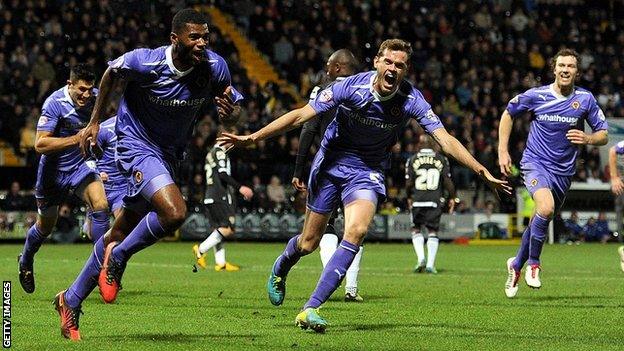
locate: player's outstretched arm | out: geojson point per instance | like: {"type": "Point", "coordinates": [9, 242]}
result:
{"type": "Point", "coordinates": [617, 186]}
{"type": "Point", "coordinates": [46, 144]}
{"type": "Point", "coordinates": [88, 136]}
{"type": "Point", "coordinates": [455, 149]}
{"type": "Point", "coordinates": [504, 131]}
{"type": "Point", "coordinates": [284, 123]}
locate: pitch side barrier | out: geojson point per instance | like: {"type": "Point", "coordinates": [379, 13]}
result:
{"type": "Point", "coordinates": [281, 227]}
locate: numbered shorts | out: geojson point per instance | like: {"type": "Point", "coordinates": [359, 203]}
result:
{"type": "Point", "coordinates": [426, 216]}
{"type": "Point", "coordinates": [331, 182]}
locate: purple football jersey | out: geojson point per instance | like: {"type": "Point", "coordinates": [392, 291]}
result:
{"type": "Point", "coordinates": [367, 124]}
{"type": "Point", "coordinates": [552, 116]}
{"type": "Point", "coordinates": [107, 141]}
{"type": "Point", "coordinates": [160, 103]}
{"type": "Point", "coordinates": [60, 116]}
{"type": "Point", "coordinates": [619, 148]}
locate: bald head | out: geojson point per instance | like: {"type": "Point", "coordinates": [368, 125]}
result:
{"type": "Point", "coordinates": [341, 63]}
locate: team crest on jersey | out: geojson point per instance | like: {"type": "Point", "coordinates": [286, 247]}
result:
{"type": "Point", "coordinates": [395, 111]}
{"type": "Point", "coordinates": [534, 182]}
{"type": "Point", "coordinates": [201, 81]}
{"type": "Point", "coordinates": [138, 177]}
{"type": "Point", "coordinates": [326, 95]}
{"type": "Point", "coordinates": [576, 105]}
{"type": "Point", "coordinates": [42, 121]}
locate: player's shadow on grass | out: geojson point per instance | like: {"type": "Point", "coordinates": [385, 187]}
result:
{"type": "Point", "coordinates": [567, 297]}
{"type": "Point", "coordinates": [178, 337]}
{"type": "Point", "coordinates": [402, 326]}
{"type": "Point", "coordinates": [339, 297]}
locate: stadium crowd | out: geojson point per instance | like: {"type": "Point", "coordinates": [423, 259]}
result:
{"type": "Point", "coordinates": [469, 59]}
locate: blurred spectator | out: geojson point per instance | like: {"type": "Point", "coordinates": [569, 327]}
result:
{"type": "Point", "coordinates": [573, 228]}
{"type": "Point", "coordinates": [470, 58]}
{"type": "Point", "coordinates": [276, 193]}
{"type": "Point", "coordinates": [596, 230]}
{"type": "Point", "coordinates": [388, 208]}
{"type": "Point", "coordinates": [14, 200]}
{"type": "Point", "coordinates": [66, 226]}
{"type": "Point", "coordinates": [196, 192]}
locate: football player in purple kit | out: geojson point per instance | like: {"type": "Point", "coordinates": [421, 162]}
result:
{"type": "Point", "coordinates": [340, 65]}
{"type": "Point", "coordinates": [558, 111]}
{"type": "Point", "coordinates": [164, 90]}
{"type": "Point", "coordinates": [62, 169]}
{"type": "Point", "coordinates": [115, 184]}
{"type": "Point", "coordinates": [373, 108]}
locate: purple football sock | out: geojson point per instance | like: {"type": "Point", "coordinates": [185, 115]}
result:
{"type": "Point", "coordinates": [88, 277]}
{"type": "Point", "coordinates": [539, 226]}
{"type": "Point", "coordinates": [288, 258]}
{"type": "Point", "coordinates": [34, 239]}
{"type": "Point", "coordinates": [333, 273]}
{"type": "Point", "coordinates": [523, 251]}
{"type": "Point", "coordinates": [146, 233]}
{"type": "Point", "coordinates": [99, 224]}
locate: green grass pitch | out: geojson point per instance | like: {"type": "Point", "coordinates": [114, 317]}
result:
{"type": "Point", "coordinates": [165, 306]}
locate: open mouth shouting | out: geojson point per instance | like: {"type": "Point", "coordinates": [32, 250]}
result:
{"type": "Point", "coordinates": [389, 81]}
{"type": "Point", "coordinates": [198, 55]}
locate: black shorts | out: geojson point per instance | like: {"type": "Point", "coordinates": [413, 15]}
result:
{"type": "Point", "coordinates": [427, 216]}
{"type": "Point", "coordinates": [221, 214]}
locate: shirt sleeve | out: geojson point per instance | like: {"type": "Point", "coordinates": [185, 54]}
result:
{"type": "Point", "coordinates": [129, 67]}
{"type": "Point", "coordinates": [330, 97]}
{"type": "Point", "coordinates": [105, 135]}
{"type": "Point", "coordinates": [222, 79]}
{"type": "Point", "coordinates": [520, 104]}
{"type": "Point", "coordinates": [423, 113]}
{"type": "Point", "coordinates": [595, 117]}
{"type": "Point", "coordinates": [50, 115]}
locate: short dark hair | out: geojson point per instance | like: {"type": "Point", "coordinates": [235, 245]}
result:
{"type": "Point", "coordinates": [187, 16]}
{"type": "Point", "coordinates": [565, 52]}
{"type": "Point", "coordinates": [396, 44]}
{"type": "Point", "coordinates": [345, 57]}
{"type": "Point", "coordinates": [82, 71]}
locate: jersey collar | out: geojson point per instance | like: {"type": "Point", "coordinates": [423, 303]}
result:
{"type": "Point", "coordinates": [66, 95]}
{"type": "Point", "coordinates": [169, 59]}
{"type": "Point", "coordinates": [376, 94]}
{"type": "Point", "coordinates": [559, 96]}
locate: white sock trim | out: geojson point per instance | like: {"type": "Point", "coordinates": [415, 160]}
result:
{"type": "Point", "coordinates": [351, 279]}
{"type": "Point", "coordinates": [327, 247]}
{"type": "Point", "coordinates": [213, 239]}
{"type": "Point", "coordinates": [418, 241]}
{"type": "Point", "coordinates": [432, 250]}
